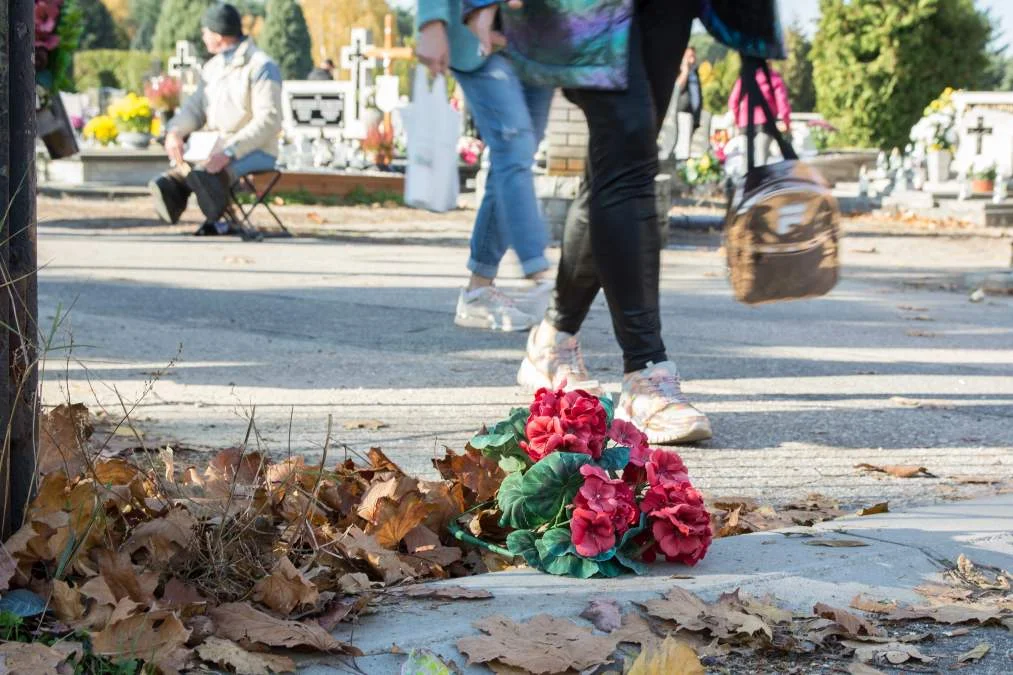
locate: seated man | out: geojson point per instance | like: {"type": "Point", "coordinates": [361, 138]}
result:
{"type": "Point", "coordinates": [239, 98]}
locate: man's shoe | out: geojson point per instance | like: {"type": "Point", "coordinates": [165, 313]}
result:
{"type": "Point", "coordinates": [555, 362]}
{"type": "Point", "coordinates": [652, 399]}
{"type": "Point", "coordinates": [211, 190]}
{"type": "Point", "coordinates": [489, 308]}
{"type": "Point", "coordinates": [170, 202]}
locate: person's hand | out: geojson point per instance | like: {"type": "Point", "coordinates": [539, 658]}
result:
{"type": "Point", "coordinates": [174, 147]}
{"type": "Point", "coordinates": [433, 48]}
{"type": "Point", "coordinates": [217, 162]}
{"type": "Point", "coordinates": [481, 21]}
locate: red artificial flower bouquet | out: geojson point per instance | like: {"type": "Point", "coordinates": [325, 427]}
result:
{"type": "Point", "coordinates": [586, 496]}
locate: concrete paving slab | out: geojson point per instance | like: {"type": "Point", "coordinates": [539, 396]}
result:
{"type": "Point", "coordinates": [904, 550]}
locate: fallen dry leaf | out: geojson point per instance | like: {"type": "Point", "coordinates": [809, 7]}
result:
{"type": "Point", "coordinates": [898, 471]}
{"type": "Point", "coordinates": [285, 588]}
{"type": "Point", "coordinates": [394, 488]}
{"type": "Point", "coordinates": [893, 653]}
{"type": "Point", "coordinates": [155, 637]}
{"type": "Point", "coordinates": [605, 615]}
{"type": "Point", "coordinates": [316, 218]}
{"type": "Point", "coordinates": [867, 604]}
{"type": "Point", "coordinates": [29, 658]}
{"type": "Point", "coordinates": [543, 645]}
{"type": "Point", "coordinates": [342, 609]}
{"type": "Point", "coordinates": [163, 537]}
{"type": "Point", "coordinates": [882, 507]}
{"type": "Point", "coordinates": [63, 439]}
{"type": "Point", "coordinates": [859, 668]}
{"type": "Point", "coordinates": [852, 623]}
{"type": "Point", "coordinates": [393, 520]}
{"type": "Point", "coordinates": [228, 654]}
{"type": "Point", "coordinates": [361, 546]}
{"type": "Point", "coordinates": [182, 596]}
{"type": "Point", "coordinates": [681, 606]}
{"type": "Point", "coordinates": [66, 602]}
{"type": "Point", "coordinates": [8, 568]}
{"type": "Point", "coordinates": [982, 577]}
{"type": "Point", "coordinates": [354, 582]}
{"type": "Point", "coordinates": [238, 621]}
{"type": "Point", "coordinates": [975, 654]}
{"type": "Point", "coordinates": [476, 472]}
{"type": "Point", "coordinates": [672, 658]}
{"type": "Point", "coordinates": [951, 614]}
{"type": "Point", "coordinates": [835, 543]}
{"type": "Point", "coordinates": [445, 592]}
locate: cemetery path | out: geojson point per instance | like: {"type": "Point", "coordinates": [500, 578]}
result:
{"type": "Point", "coordinates": [892, 368]}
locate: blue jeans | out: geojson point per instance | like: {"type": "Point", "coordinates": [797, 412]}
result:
{"type": "Point", "coordinates": [511, 116]}
{"type": "Point", "coordinates": [258, 160]}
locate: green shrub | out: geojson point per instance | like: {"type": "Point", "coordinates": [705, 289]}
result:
{"type": "Point", "coordinates": [119, 68]}
{"type": "Point", "coordinates": [286, 38]}
{"type": "Point", "coordinates": [179, 20]}
{"type": "Point", "coordinates": [876, 65]}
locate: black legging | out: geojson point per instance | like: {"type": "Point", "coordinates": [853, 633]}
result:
{"type": "Point", "coordinates": [611, 239]}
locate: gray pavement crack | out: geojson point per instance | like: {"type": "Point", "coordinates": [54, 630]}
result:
{"type": "Point", "coordinates": [941, 562]}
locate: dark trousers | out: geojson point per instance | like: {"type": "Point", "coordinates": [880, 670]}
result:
{"type": "Point", "coordinates": [611, 239]}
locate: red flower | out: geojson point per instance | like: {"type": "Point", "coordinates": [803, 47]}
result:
{"type": "Point", "coordinates": [666, 466]}
{"type": "Point", "coordinates": [592, 532]}
{"type": "Point", "coordinates": [545, 435]}
{"type": "Point", "coordinates": [565, 421]}
{"type": "Point", "coordinates": [683, 532]}
{"type": "Point", "coordinates": [546, 403]}
{"type": "Point", "coordinates": [610, 496]}
{"type": "Point", "coordinates": [679, 522]}
{"type": "Point", "coordinates": [627, 435]}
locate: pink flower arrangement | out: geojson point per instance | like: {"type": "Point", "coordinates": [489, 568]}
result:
{"type": "Point", "coordinates": [593, 489]}
{"type": "Point", "coordinates": [47, 18]}
{"type": "Point", "coordinates": [469, 150]}
{"type": "Point", "coordinates": [163, 92]}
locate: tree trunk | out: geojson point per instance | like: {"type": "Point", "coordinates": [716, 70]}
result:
{"type": "Point", "coordinates": [18, 282]}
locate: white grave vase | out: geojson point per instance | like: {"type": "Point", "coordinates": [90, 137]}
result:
{"type": "Point", "coordinates": [938, 165]}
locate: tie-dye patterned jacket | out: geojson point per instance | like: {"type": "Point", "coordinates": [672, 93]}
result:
{"type": "Point", "coordinates": [585, 43]}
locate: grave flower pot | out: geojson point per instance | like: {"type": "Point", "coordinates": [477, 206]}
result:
{"type": "Point", "coordinates": [938, 165]}
{"type": "Point", "coordinates": [54, 128]}
{"type": "Point", "coordinates": [981, 185]}
{"type": "Point", "coordinates": [134, 140]}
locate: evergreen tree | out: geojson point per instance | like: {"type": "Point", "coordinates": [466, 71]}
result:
{"type": "Point", "coordinates": [877, 64]}
{"type": "Point", "coordinates": [179, 20]}
{"type": "Point", "coordinates": [286, 38]}
{"type": "Point", "coordinates": [98, 29]}
{"type": "Point", "coordinates": [798, 71]}
{"type": "Point", "coordinates": [144, 18]}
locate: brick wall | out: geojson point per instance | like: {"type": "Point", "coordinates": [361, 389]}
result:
{"type": "Point", "coordinates": [567, 138]}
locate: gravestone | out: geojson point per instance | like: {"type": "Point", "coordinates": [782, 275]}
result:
{"type": "Point", "coordinates": [986, 139]}
{"type": "Point", "coordinates": [185, 67]}
{"type": "Point", "coordinates": [356, 60]}
{"type": "Point", "coordinates": [310, 107]}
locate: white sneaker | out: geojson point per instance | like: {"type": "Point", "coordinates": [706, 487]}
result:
{"type": "Point", "coordinates": [652, 399]}
{"type": "Point", "coordinates": [555, 362]}
{"type": "Point", "coordinates": [488, 308]}
{"type": "Point", "coordinates": [536, 300]}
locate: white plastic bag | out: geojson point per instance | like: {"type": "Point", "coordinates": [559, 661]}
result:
{"type": "Point", "coordinates": [432, 128]}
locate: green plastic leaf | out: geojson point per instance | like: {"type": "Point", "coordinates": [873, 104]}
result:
{"type": "Point", "coordinates": [23, 603]}
{"type": "Point", "coordinates": [610, 407]}
{"type": "Point", "coordinates": [512, 464]}
{"type": "Point", "coordinates": [535, 497]}
{"type": "Point", "coordinates": [635, 566]}
{"type": "Point", "coordinates": [522, 543]}
{"type": "Point", "coordinates": [557, 542]}
{"type": "Point", "coordinates": [611, 568]}
{"type": "Point", "coordinates": [615, 459]}
{"type": "Point", "coordinates": [570, 565]}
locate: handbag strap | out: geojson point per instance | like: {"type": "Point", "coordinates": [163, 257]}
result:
{"type": "Point", "coordinates": [751, 66]}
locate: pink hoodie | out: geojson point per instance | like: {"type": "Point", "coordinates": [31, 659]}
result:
{"type": "Point", "coordinates": [776, 95]}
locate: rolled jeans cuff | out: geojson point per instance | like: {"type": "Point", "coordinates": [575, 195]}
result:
{"type": "Point", "coordinates": [534, 265]}
{"type": "Point", "coordinates": [483, 269]}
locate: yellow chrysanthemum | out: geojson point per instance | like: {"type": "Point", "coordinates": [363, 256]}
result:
{"type": "Point", "coordinates": [102, 129]}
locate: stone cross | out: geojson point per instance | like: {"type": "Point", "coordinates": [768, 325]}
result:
{"type": "Point", "coordinates": [356, 59]}
{"type": "Point", "coordinates": [386, 100]}
{"type": "Point", "coordinates": [185, 66]}
{"type": "Point", "coordinates": [980, 132]}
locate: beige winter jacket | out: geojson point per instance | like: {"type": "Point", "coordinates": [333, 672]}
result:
{"type": "Point", "coordinates": [240, 98]}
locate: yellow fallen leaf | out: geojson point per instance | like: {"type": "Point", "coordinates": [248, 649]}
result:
{"type": "Point", "coordinates": [672, 658]}
{"type": "Point", "coordinates": [975, 654]}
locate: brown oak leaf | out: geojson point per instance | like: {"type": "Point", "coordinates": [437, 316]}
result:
{"type": "Point", "coordinates": [239, 621]}
{"type": "Point", "coordinates": [852, 623]}
{"type": "Point", "coordinates": [29, 658]}
{"type": "Point", "coordinates": [163, 537]}
{"type": "Point", "coordinates": [227, 654]}
{"type": "Point", "coordinates": [392, 520]}
{"type": "Point", "coordinates": [476, 472]}
{"type": "Point", "coordinates": [155, 637]}
{"type": "Point", "coordinates": [285, 588]}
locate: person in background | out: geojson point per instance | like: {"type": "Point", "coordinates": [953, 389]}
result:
{"type": "Point", "coordinates": [689, 94]}
{"type": "Point", "coordinates": [239, 98]}
{"type": "Point", "coordinates": [511, 117]}
{"type": "Point", "coordinates": [776, 94]}
{"type": "Point", "coordinates": [618, 62]}
{"type": "Point", "coordinates": [325, 71]}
